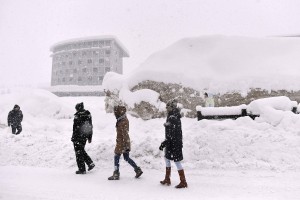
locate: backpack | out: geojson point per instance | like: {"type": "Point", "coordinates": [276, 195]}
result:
{"type": "Point", "coordinates": [86, 128]}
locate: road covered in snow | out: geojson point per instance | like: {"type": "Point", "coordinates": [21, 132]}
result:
{"type": "Point", "coordinates": [29, 183]}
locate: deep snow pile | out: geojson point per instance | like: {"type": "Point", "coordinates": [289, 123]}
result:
{"type": "Point", "coordinates": [265, 143]}
{"type": "Point", "coordinates": [217, 63]}
{"type": "Point", "coordinates": [244, 68]}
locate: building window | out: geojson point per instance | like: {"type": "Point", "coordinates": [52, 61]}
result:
{"type": "Point", "coordinates": [70, 62]}
{"type": "Point", "coordinates": [100, 78]}
{"type": "Point", "coordinates": [67, 71]}
{"type": "Point", "coordinates": [79, 62]}
{"type": "Point", "coordinates": [83, 53]}
{"type": "Point", "coordinates": [79, 78]}
{"type": "Point", "coordinates": [95, 69]}
{"type": "Point", "coordinates": [107, 69]}
{"type": "Point", "coordinates": [71, 79]}
{"type": "Point", "coordinates": [74, 70]}
{"type": "Point", "coordinates": [63, 63]}
{"type": "Point", "coordinates": [63, 80]}
{"type": "Point", "coordinates": [84, 70]}
{"type": "Point", "coordinates": [95, 53]}
{"type": "Point", "coordinates": [107, 43]}
{"type": "Point", "coordinates": [90, 78]}
{"type": "Point", "coordinates": [101, 60]}
{"type": "Point", "coordinates": [90, 61]}
{"type": "Point", "coordinates": [107, 52]}
{"type": "Point", "coordinates": [74, 53]}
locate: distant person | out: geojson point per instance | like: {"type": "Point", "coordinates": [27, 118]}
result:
{"type": "Point", "coordinates": [123, 145]}
{"type": "Point", "coordinates": [82, 132]}
{"type": "Point", "coordinates": [209, 100]}
{"type": "Point", "coordinates": [172, 145]}
{"type": "Point", "coordinates": [14, 120]}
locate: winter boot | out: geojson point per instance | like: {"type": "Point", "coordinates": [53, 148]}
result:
{"type": "Point", "coordinates": [182, 183]}
{"type": "Point", "coordinates": [91, 166]}
{"type": "Point", "coordinates": [115, 176]}
{"type": "Point", "coordinates": [138, 172]}
{"type": "Point", "coordinates": [167, 180]}
{"type": "Point", "coordinates": [80, 172]}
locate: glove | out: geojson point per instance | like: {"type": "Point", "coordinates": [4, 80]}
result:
{"type": "Point", "coordinates": [9, 124]}
{"type": "Point", "coordinates": [162, 146]}
{"type": "Point", "coordinates": [89, 140]}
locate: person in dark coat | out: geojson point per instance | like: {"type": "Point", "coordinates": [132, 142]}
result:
{"type": "Point", "coordinates": [14, 120]}
{"type": "Point", "coordinates": [123, 143]}
{"type": "Point", "coordinates": [82, 132]}
{"type": "Point", "coordinates": [172, 144]}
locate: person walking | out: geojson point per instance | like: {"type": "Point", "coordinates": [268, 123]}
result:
{"type": "Point", "coordinates": [172, 145]}
{"type": "Point", "coordinates": [14, 119]}
{"type": "Point", "coordinates": [82, 132]}
{"type": "Point", "coordinates": [123, 145]}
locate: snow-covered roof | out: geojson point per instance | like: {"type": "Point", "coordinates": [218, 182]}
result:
{"type": "Point", "coordinates": [93, 38]}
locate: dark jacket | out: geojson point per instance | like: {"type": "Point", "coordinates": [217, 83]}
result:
{"type": "Point", "coordinates": [82, 117]}
{"type": "Point", "coordinates": [173, 136]}
{"type": "Point", "coordinates": [15, 118]}
{"type": "Point", "coordinates": [122, 128]}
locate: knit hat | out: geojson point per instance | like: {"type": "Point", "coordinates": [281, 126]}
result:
{"type": "Point", "coordinates": [79, 106]}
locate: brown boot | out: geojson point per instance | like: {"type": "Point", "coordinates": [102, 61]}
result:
{"type": "Point", "coordinates": [167, 180]}
{"type": "Point", "coordinates": [182, 183]}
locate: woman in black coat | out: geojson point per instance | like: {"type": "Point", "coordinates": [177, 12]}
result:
{"type": "Point", "coordinates": [173, 144]}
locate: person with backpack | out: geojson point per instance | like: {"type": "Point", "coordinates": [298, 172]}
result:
{"type": "Point", "coordinates": [123, 143]}
{"type": "Point", "coordinates": [172, 145]}
{"type": "Point", "coordinates": [14, 120]}
{"type": "Point", "coordinates": [82, 132]}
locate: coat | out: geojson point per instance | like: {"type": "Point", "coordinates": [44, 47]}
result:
{"type": "Point", "coordinates": [122, 127]}
{"type": "Point", "coordinates": [15, 118]}
{"type": "Point", "coordinates": [173, 136]}
{"type": "Point", "coordinates": [80, 118]}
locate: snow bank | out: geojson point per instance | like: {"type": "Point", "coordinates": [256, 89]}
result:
{"type": "Point", "coordinates": [207, 144]}
{"type": "Point", "coordinates": [35, 103]}
{"type": "Point", "coordinates": [217, 63]}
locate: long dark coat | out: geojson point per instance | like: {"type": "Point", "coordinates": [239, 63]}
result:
{"type": "Point", "coordinates": [122, 127]}
{"type": "Point", "coordinates": [173, 136]}
{"type": "Point", "coordinates": [80, 117]}
{"type": "Point", "coordinates": [15, 117]}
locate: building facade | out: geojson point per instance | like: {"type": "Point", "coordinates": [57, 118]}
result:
{"type": "Point", "coordinates": [85, 61]}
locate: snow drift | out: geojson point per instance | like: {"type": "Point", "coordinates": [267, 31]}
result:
{"type": "Point", "coordinates": [263, 143]}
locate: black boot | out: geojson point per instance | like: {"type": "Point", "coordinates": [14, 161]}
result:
{"type": "Point", "coordinates": [138, 172]}
{"type": "Point", "coordinates": [80, 172]}
{"type": "Point", "coordinates": [115, 176]}
{"type": "Point", "coordinates": [91, 166]}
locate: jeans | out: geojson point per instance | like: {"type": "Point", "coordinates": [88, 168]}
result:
{"type": "Point", "coordinates": [178, 164]}
{"type": "Point", "coordinates": [126, 158]}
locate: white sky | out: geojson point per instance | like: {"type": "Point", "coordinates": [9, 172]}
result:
{"type": "Point", "coordinates": [29, 27]}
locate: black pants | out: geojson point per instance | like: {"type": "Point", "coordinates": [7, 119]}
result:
{"type": "Point", "coordinates": [16, 127]}
{"type": "Point", "coordinates": [81, 156]}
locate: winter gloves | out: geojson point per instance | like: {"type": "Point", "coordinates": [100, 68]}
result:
{"type": "Point", "coordinates": [162, 145]}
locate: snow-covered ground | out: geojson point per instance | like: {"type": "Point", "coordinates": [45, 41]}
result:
{"type": "Point", "coordinates": [241, 159]}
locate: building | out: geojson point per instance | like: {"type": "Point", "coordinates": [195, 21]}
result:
{"type": "Point", "coordinates": [85, 61]}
